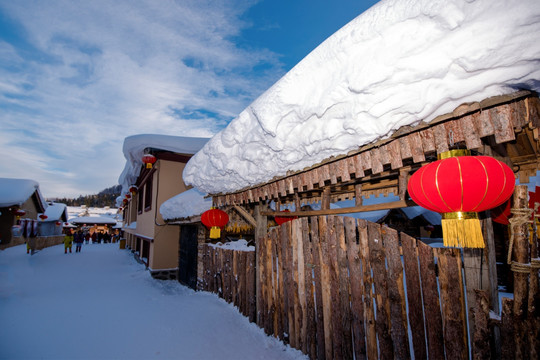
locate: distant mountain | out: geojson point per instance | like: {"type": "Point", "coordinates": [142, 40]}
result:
{"type": "Point", "coordinates": [104, 198]}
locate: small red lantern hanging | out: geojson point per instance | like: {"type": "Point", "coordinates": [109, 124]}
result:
{"type": "Point", "coordinates": [125, 201]}
{"type": "Point", "coordinates": [128, 196]}
{"type": "Point", "coordinates": [18, 213]}
{"type": "Point", "coordinates": [43, 217]}
{"type": "Point", "coordinates": [149, 160]}
{"type": "Point", "coordinates": [133, 189]}
{"type": "Point", "coordinates": [58, 223]}
{"type": "Point", "coordinates": [460, 186]}
{"type": "Point", "coordinates": [215, 219]}
{"type": "Point", "coordinates": [283, 219]}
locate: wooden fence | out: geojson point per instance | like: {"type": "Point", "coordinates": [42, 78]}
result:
{"type": "Point", "coordinates": [343, 288]}
{"type": "Point", "coordinates": [231, 275]}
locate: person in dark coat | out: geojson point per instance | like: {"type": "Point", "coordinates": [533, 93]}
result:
{"type": "Point", "coordinates": [100, 237]}
{"type": "Point", "coordinates": [78, 239]}
{"type": "Point", "coordinates": [87, 236]}
{"type": "Point", "coordinates": [94, 237]}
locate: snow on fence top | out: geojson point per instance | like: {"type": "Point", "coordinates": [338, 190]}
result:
{"type": "Point", "coordinates": [399, 63]}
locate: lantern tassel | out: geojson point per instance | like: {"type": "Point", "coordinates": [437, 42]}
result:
{"type": "Point", "coordinates": [215, 232]}
{"type": "Point", "coordinates": [462, 229]}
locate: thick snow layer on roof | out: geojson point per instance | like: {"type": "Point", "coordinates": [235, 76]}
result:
{"type": "Point", "coordinates": [399, 63]}
{"type": "Point", "coordinates": [55, 211]}
{"type": "Point", "coordinates": [189, 203]}
{"type": "Point", "coordinates": [17, 191]}
{"type": "Point", "coordinates": [134, 147]}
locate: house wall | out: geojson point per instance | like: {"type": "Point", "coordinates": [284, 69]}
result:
{"type": "Point", "coordinates": [167, 183]}
{"type": "Point", "coordinates": [7, 219]}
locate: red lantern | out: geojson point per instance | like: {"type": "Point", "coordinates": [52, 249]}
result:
{"type": "Point", "coordinates": [283, 219]}
{"type": "Point", "coordinates": [149, 159]}
{"type": "Point", "coordinates": [58, 223]}
{"type": "Point", "coordinates": [215, 219]}
{"type": "Point", "coordinates": [18, 213]}
{"type": "Point", "coordinates": [125, 201]}
{"type": "Point", "coordinates": [43, 217]}
{"type": "Point", "coordinates": [133, 189]}
{"type": "Point", "coordinates": [460, 187]}
{"type": "Point", "coordinates": [128, 196]}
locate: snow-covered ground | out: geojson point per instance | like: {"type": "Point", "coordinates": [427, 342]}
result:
{"type": "Point", "coordinates": [102, 304]}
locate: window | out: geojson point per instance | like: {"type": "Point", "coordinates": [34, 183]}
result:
{"type": "Point", "coordinates": [140, 200]}
{"type": "Point", "coordinates": [148, 194]}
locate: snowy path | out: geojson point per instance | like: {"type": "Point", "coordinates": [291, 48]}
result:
{"type": "Point", "coordinates": [102, 304]}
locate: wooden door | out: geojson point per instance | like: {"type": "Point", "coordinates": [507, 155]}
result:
{"type": "Point", "coordinates": [187, 262]}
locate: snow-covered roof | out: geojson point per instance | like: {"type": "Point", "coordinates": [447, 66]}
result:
{"type": "Point", "coordinates": [399, 63]}
{"type": "Point", "coordinates": [189, 203]}
{"type": "Point", "coordinates": [135, 145]}
{"type": "Point", "coordinates": [93, 220]}
{"type": "Point", "coordinates": [17, 191]}
{"type": "Point", "coordinates": [55, 211]}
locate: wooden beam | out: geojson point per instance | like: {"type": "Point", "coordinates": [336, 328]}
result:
{"type": "Point", "coordinates": [349, 210]}
{"type": "Point", "coordinates": [246, 215]}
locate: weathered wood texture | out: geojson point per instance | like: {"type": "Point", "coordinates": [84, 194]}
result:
{"type": "Point", "coordinates": [336, 273]}
{"type": "Point", "coordinates": [501, 118]}
{"type": "Point", "coordinates": [342, 288]}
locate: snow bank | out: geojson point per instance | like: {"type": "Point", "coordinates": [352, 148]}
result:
{"type": "Point", "coordinates": [240, 245]}
{"type": "Point", "coordinates": [189, 203]}
{"type": "Point", "coordinates": [135, 145]}
{"type": "Point", "coordinates": [399, 63]}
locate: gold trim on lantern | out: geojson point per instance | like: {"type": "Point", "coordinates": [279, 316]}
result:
{"type": "Point", "coordinates": [453, 153]}
{"type": "Point", "coordinates": [460, 215]}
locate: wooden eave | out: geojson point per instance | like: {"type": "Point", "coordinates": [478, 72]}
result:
{"type": "Point", "coordinates": [505, 127]}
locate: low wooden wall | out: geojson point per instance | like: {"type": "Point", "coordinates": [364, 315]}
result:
{"type": "Point", "coordinates": [231, 275]}
{"type": "Point", "coordinates": [41, 241]}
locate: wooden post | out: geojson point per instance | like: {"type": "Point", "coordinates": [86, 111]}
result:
{"type": "Point", "coordinates": [520, 255]}
{"type": "Point", "coordinates": [358, 195]}
{"type": "Point", "coordinates": [325, 199]}
{"type": "Point", "coordinates": [403, 181]}
{"type": "Point", "coordinates": [260, 232]}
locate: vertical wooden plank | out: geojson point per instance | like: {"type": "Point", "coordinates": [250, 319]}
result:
{"type": "Point", "coordinates": [359, 166]}
{"type": "Point", "coordinates": [485, 126]}
{"type": "Point", "coordinates": [501, 119]}
{"type": "Point", "coordinates": [416, 147]}
{"type": "Point", "coordinates": [430, 296]}
{"type": "Point", "coordinates": [358, 200]}
{"type": "Point", "coordinates": [351, 165]}
{"type": "Point", "coordinates": [331, 238]}
{"type": "Point", "coordinates": [405, 147]}
{"type": "Point", "coordinates": [366, 160]}
{"type": "Point", "coordinates": [317, 286]}
{"type": "Point", "coordinates": [394, 152]}
{"type": "Point", "coordinates": [355, 273]}
{"type": "Point", "coordinates": [234, 278]}
{"type": "Point", "coordinates": [301, 285]}
{"type": "Point", "coordinates": [369, 317]}
{"type": "Point", "coordinates": [508, 350]}
{"type": "Point", "coordinates": [286, 272]}
{"type": "Point", "coordinates": [520, 254]}
{"type": "Point", "coordinates": [261, 289]}
{"type": "Point", "coordinates": [279, 284]}
{"type": "Point", "coordinates": [377, 261]}
{"type": "Point", "coordinates": [324, 174]}
{"type": "Point", "coordinates": [476, 277]}
{"type": "Point", "coordinates": [292, 291]}
{"type": "Point", "coordinates": [376, 164]}
{"type": "Point", "coordinates": [343, 170]}
{"type": "Point", "coordinates": [326, 285]}
{"type": "Point", "coordinates": [343, 289]}
{"type": "Point", "coordinates": [396, 294]}
{"type": "Point", "coordinates": [332, 168]}
{"type": "Point", "coordinates": [309, 313]}
{"type": "Point", "coordinates": [383, 155]}
{"type": "Point", "coordinates": [250, 283]}
{"type": "Point", "coordinates": [428, 140]}
{"type": "Point", "coordinates": [454, 131]}
{"type": "Point", "coordinates": [270, 294]}
{"type": "Point", "coordinates": [453, 303]}
{"type": "Point", "coordinates": [441, 138]}
{"type": "Point", "coordinates": [414, 294]}
{"type": "Point", "coordinates": [480, 339]}
{"type": "Point", "coordinates": [242, 268]}
{"type": "Point", "coordinates": [469, 124]}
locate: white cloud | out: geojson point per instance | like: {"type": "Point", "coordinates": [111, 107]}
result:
{"type": "Point", "coordinates": [87, 74]}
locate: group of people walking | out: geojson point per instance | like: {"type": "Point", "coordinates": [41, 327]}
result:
{"type": "Point", "coordinates": [79, 237]}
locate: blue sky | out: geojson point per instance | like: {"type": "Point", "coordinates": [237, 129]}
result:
{"type": "Point", "coordinates": [77, 77]}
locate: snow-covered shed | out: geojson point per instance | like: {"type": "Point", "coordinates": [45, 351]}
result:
{"type": "Point", "coordinates": [21, 195]}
